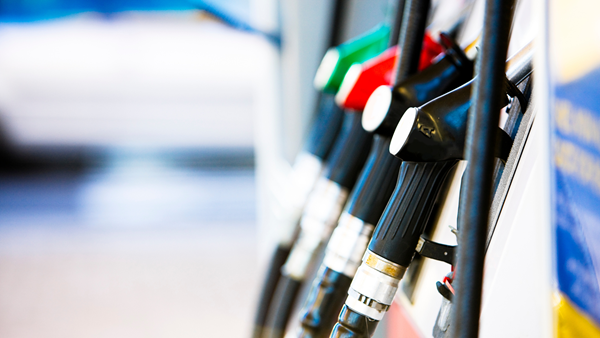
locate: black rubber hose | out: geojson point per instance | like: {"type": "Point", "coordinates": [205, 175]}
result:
{"type": "Point", "coordinates": [352, 324]}
{"type": "Point", "coordinates": [266, 296]}
{"type": "Point", "coordinates": [323, 303]}
{"type": "Point", "coordinates": [476, 195]}
{"type": "Point", "coordinates": [411, 36]}
{"type": "Point", "coordinates": [337, 21]}
{"type": "Point", "coordinates": [284, 297]}
{"type": "Point", "coordinates": [328, 120]}
{"type": "Point", "coordinates": [397, 23]}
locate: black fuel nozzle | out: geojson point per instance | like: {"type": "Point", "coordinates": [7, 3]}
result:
{"type": "Point", "coordinates": [387, 104]}
{"type": "Point", "coordinates": [319, 217]}
{"type": "Point", "coordinates": [307, 169]}
{"type": "Point", "coordinates": [430, 141]}
{"type": "Point", "coordinates": [349, 241]}
{"type": "Point", "coordinates": [325, 127]}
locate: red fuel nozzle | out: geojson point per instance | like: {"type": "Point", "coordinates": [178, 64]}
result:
{"type": "Point", "coordinates": [363, 78]}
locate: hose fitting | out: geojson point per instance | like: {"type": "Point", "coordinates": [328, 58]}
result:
{"type": "Point", "coordinates": [347, 245]}
{"type": "Point", "coordinates": [319, 218]}
{"type": "Point", "coordinates": [374, 286]}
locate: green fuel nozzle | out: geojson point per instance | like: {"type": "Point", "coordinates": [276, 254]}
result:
{"type": "Point", "coordinates": [338, 60]}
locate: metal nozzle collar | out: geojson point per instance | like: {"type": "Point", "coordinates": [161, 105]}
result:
{"type": "Point", "coordinates": [302, 179]}
{"type": "Point", "coordinates": [322, 211]}
{"type": "Point", "coordinates": [374, 286]}
{"type": "Point", "coordinates": [323, 208]}
{"type": "Point", "coordinates": [348, 244]}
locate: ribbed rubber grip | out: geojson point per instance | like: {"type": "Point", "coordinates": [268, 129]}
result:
{"type": "Point", "coordinates": [281, 307]}
{"type": "Point", "coordinates": [376, 182]}
{"type": "Point", "coordinates": [406, 215]}
{"type": "Point", "coordinates": [349, 153]}
{"type": "Point", "coordinates": [266, 296]}
{"type": "Point", "coordinates": [325, 128]}
{"type": "Point", "coordinates": [324, 302]}
{"type": "Point", "coordinates": [353, 325]}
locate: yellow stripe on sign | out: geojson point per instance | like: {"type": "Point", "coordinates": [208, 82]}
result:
{"type": "Point", "coordinates": [574, 37]}
{"type": "Point", "coordinates": [573, 323]}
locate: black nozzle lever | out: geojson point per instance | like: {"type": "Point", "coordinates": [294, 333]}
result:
{"type": "Point", "coordinates": [437, 251]}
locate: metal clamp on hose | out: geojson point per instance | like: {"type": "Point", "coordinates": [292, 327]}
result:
{"type": "Point", "coordinates": [436, 251]}
{"type": "Point", "coordinates": [374, 286]}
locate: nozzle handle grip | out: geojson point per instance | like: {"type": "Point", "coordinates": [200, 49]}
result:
{"type": "Point", "coordinates": [324, 302]}
{"type": "Point", "coordinates": [352, 324]}
{"type": "Point", "coordinates": [325, 128]}
{"type": "Point", "coordinates": [349, 152]}
{"type": "Point", "coordinates": [407, 213]}
{"type": "Point", "coordinates": [376, 182]}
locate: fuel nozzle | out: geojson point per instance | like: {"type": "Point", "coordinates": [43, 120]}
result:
{"type": "Point", "coordinates": [430, 141]}
{"type": "Point", "coordinates": [337, 60]}
{"type": "Point", "coordinates": [387, 104]}
{"type": "Point", "coordinates": [320, 215]}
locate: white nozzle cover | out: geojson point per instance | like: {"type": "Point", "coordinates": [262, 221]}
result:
{"type": "Point", "coordinates": [403, 130]}
{"type": "Point", "coordinates": [348, 83]}
{"type": "Point", "coordinates": [326, 68]}
{"type": "Point", "coordinates": [377, 108]}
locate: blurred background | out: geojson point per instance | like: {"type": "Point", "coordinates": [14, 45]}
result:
{"type": "Point", "coordinates": [140, 144]}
